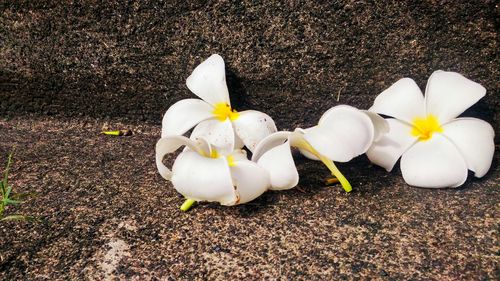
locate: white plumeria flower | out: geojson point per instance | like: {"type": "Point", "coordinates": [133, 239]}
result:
{"type": "Point", "coordinates": [200, 173]}
{"type": "Point", "coordinates": [342, 133]}
{"type": "Point", "coordinates": [216, 121]}
{"type": "Point", "coordinates": [437, 148]}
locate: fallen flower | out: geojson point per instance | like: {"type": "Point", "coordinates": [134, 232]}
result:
{"type": "Point", "coordinates": [435, 147]}
{"type": "Point", "coordinates": [213, 116]}
{"type": "Point", "coordinates": [342, 133]}
{"type": "Point", "coordinates": [201, 173]}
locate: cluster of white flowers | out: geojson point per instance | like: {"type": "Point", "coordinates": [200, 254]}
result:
{"type": "Point", "coordinates": [437, 148]}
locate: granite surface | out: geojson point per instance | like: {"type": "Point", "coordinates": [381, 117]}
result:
{"type": "Point", "coordinates": [69, 69]}
{"type": "Point", "coordinates": [107, 213]}
{"type": "Point", "coordinates": [130, 60]}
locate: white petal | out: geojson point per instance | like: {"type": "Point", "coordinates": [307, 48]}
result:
{"type": "Point", "coordinates": [448, 94]}
{"type": "Point", "coordinates": [203, 179]}
{"type": "Point", "coordinates": [474, 138]}
{"type": "Point", "coordinates": [208, 81]}
{"type": "Point", "coordinates": [219, 134]}
{"type": "Point", "coordinates": [278, 161]}
{"type": "Point", "coordinates": [308, 154]}
{"type": "Point", "coordinates": [379, 124]}
{"type": "Point", "coordinates": [203, 146]}
{"type": "Point", "coordinates": [252, 126]}
{"type": "Point", "coordinates": [403, 100]}
{"type": "Point", "coordinates": [269, 142]}
{"type": "Point", "coordinates": [298, 136]}
{"type": "Point", "coordinates": [249, 179]}
{"type": "Point", "coordinates": [239, 155]}
{"type": "Point", "coordinates": [184, 115]}
{"type": "Point", "coordinates": [386, 151]}
{"type": "Point", "coordinates": [434, 163]}
{"type": "Point", "coordinates": [343, 133]}
{"type": "Point", "coordinates": [273, 153]}
{"type": "Point", "coordinates": [238, 143]}
{"type": "Point", "coordinates": [170, 144]}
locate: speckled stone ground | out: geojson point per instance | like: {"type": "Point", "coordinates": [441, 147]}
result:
{"type": "Point", "coordinates": [109, 214]}
{"type": "Point", "coordinates": [70, 68]}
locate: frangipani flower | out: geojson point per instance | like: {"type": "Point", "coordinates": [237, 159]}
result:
{"type": "Point", "coordinates": [216, 121]}
{"type": "Point", "coordinates": [200, 173]}
{"type": "Point", "coordinates": [437, 148]}
{"type": "Point", "coordinates": [342, 133]}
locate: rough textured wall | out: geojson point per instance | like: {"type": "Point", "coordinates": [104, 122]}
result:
{"type": "Point", "coordinates": [291, 59]}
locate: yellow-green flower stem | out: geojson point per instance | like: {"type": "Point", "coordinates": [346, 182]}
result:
{"type": "Point", "coordinates": [336, 173]}
{"type": "Point", "coordinates": [187, 205]}
{"type": "Point", "coordinates": [113, 133]}
{"type": "Point", "coordinates": [118, 133]}
{"type": "Point", "coordinates": [303, 144]}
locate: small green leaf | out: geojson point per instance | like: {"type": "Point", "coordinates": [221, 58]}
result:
{"type": "Point", "coordinates": [22, 218]}
{"type": "Point", "coordinates": [2, 188]}
{"type": "Point", "coordinates": [9, 190]}
{"type": "Point", "coordinates": [16, 218]}
{"type": "Point", "coordinates": [23, 195]}
{"type": "Point", "coordinates": [6, 171]}
{"type": "Point", "coordinates": [12, 202]}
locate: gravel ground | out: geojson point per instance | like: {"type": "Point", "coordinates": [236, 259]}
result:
{"type": "Point", "coordinates": [107, 213]}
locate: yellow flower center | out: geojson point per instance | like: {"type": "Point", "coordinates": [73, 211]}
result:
{"type": "Point", "coordinates": [230, 160]}
{"type": "Point", "coordinates": [423, 128]}
{"type": "Point", "coordinates": [214, 153]}
{"type": "Point", "coordinates": [222, 111]}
